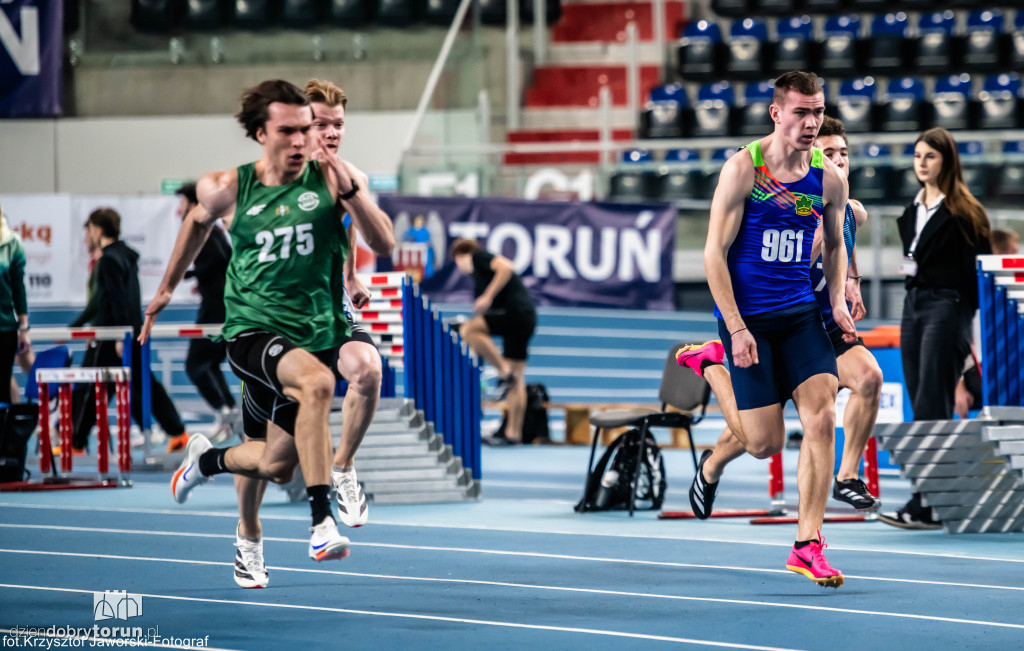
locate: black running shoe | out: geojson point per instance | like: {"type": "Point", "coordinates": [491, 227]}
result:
{"type": "Point", "coordinates": [856, 494]}
{"type": "Point", "coordinates": [702, 494]}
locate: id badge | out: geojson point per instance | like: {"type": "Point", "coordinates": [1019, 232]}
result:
{"type": "Point", "coordinates": [908, 267]}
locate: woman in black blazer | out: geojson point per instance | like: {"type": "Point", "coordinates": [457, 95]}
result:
{"type": "Point", "coordinates": [942, 230]}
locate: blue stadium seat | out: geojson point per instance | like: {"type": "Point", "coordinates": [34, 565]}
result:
{"type": "Point", "coordinates": [666, 114]}
{"type": "Point", "coordinates": [713, 169]}
{"type": "Point", "coordinates": [300, 13]}
{"type": "Point", "coordinates": [870, 178]}
{"type": "Point", "coordinates": [402, 13]}
{"type": "Point", "coordinates": [904, 109]}
{"type": "Point", "coordinates": [977, 173]}
{"type": "Point", "coordinates": [886, 48]}
{"type": "Point", "coordinates": [952, 104]}
{"type": "Point", "coordinates": [731, 8]}
{"type": "Point", "coordinates": [1000, 104]}
{"type": "Point", "coordinates": [155, 15]}
{"type": "Point", "coordinates": [713, 110]}
{"type": "Point", "coordinates": [628, 185]}
{"type": "Point", "coordinates": [253, 14]}
{"type": "Point", "coordinates": [746, 56]}
{"type": "Point", "coordinates": [700, 51]}
{"type": "Point", "coordinates": [349, 13]}
{"type": "Point", "coordinates": [1008, 178]}
{"type": "Point", "coordinates": [794, 49]}
{"type": "Point", "coordinates": [680, 177]}
{"type": "Point", "coordinates": [937, 48]}
{"type": "Point", "coordinates": [839, 48]}
{"type": "Point", "coordinates": [856, 104]}
{"type": "Point", "coordinates": [206, 14]}
{"type": "Point", "coordinates": [1017, 42]}
{"type": "Point", "coordinates": [985, 47]}
{"type": "Point", "coordinates": [753, 115]}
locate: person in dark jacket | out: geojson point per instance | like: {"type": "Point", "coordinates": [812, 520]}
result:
{"type": "Point", "coordinates": [943, 230]}
{"type": "Point", "coordinates": [206, 355]}
{"type": "Point", "coordinates": [118, 302]}
{"type": "Point", "coordinates": [13, 302]}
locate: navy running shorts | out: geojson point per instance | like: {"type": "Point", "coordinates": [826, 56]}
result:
{"type": "Point", "coordinates": [792, 346]}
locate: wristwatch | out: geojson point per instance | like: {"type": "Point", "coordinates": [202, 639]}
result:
{"type": "Point", "coordinates": [351, 193]}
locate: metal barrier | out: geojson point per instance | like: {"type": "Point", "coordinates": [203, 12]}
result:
{"type": "Point", "coordinates": [442, 377]}
{"type": "Point", "coordinates": [1000, 306]}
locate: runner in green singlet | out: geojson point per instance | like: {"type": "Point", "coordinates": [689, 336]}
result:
{"type": "Point", "coordinates": [282, 324]}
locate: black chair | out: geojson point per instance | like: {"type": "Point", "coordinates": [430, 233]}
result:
{"type": "Point", "coordinates": [937, 49]}
{"type": "Point", "coordinates": [681, 389]}
{"type": "Point", "coordinates": [711, 170]}
{"type": "Point", "coordinates": [206, 14]}
{"type": "Point", "coordinates": [856, 104]}
{"type": "Point", "coordinates": [1008, 178]}
{"type": "Point", "coordinates": [155, 15]}
{"type": "Point", "coordinates": [442, 12]}
{"type": "Point", "coordinates": [1000, 104]}
{"type": "Point", "coordinates": [628, 184]}
{"type": "Point", "coordinates": [72, 16]}
{"type": "Point", "coordinates": [731, 8]}
{"type": "Point", "coordinates": [986, 46]}
{"type": "Point", "coordinates": [753, 117]}
{"type": "Point", "coordinates": [666, 113]}
{"type": "Point", "coordinates": [886, 50]}
{"type": "Point", "coordinates": [1017, 42]}
{"type": "Point", "coordinates": [838, 54]}
{"type": "Point", "coordinates": [713, 110]}
{"type": "Point", "coordinates": [871, 175]}
{"type": "Point", "coordinates": [349, 13]}
{"type": "Point", "coordinates": [402, 13]}
{"type": "Point", "coordinates": [904, 109]}
{"type": "Point", "coordinates": [869, 5]}
{"type": "Point", "coordinates": [778, 7]}
{"type": "Point", "coordinates": [552, 11]}
{"type": "Point", "coordinates": [493, 12]}
{"type": "Point", "coordinates": [822, 6]}
{"type": "Point", "coordinates": [794, 49]}
{"type": "Point", "coordinates": [747, 49]}
{"type": "Point", "coordinates": [253, 14]}
{"type": "Point", "coordinates": [952, 104]}
{"type": "Point", "coordinates": [300, 13]}
{"type": "Point", "coordinates": [977, 172]}
{"type": "Point", "coordinates": [680, 177]}
{"type": "Point", "coordinates": [700, 51]}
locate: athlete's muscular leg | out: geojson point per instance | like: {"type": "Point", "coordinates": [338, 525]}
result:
{"type": "Point", "coordinates": [307, 381]}
{"type": "Point", "coordinates": [359, 363]}
{"type": "Point", "coordinates": [478, 336]}
{"type": "Point", "coordinates": [858, 371]}
{"type": "Point", "coordinates": [516, 401]}
{"type": "Point", "coordinates": [816, 403]}
{"type": "Point", "coordinates": [730, 444]}
{"type": "Point", "coordinates": [281, 458]}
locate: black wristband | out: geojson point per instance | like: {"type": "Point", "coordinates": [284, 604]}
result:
{"type": "Point", "coordinates": [351, 193]}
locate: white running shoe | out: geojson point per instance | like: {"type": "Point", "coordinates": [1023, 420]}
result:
{"type": "Point", "coordinates": [250, 572]}
{"type": "Point", "coordinates": [352, 508]}
{"type": "Point", "coordinates": [188, 476]}
{"type": "Point", "coordinates": [326, 544]}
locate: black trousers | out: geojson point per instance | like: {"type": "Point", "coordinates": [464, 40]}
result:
{"type": "Point", "coordinates": [83, 398]}
{"type": "Point", "coordinates": [203, 367]}
{"type": "Point", "coordinates": [8, 349]}
{"type": "Point", "coordinates": [935, 339]}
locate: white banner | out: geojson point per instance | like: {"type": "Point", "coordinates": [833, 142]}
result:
{"type": "Point", "coordinates": [52, 229]}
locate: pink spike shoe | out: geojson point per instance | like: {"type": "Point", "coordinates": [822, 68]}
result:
{"type": "Point", "coordinates": [691, 356]}
{"type": "Point", "coordinates": [810, 561]}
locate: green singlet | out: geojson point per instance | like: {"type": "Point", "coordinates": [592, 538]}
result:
{"type": "Point", "coordinates": [285, 240]}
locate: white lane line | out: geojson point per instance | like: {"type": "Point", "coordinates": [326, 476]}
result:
{"type": "Point", "coordinates": [434, 618]}
{"type": "Point", "coordinates": [479, 527]}
{"type": "Point", "coordinates": [529, 586]}
{"type": "Point", "coordinates": [503, 552]}
{"type": "Point", "coordinates": [132, 643]}
{"type": "Point", "coordinates": [527, 484]}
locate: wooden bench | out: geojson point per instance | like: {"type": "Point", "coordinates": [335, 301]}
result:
{"type": "Point", "coordinates": [577, 420]}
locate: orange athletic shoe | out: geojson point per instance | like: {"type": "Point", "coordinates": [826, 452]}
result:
{"type": "Point", "coordinates": [178, 442]}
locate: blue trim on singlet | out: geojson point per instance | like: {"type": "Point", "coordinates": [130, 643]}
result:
{"type": "Point", "coordinates": [818, 274]}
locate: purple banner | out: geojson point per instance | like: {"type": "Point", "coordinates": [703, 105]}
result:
{"type": "Point", "coordinates": [31, 57]}
{"type": "Point", "coordinates": [568, 254]}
